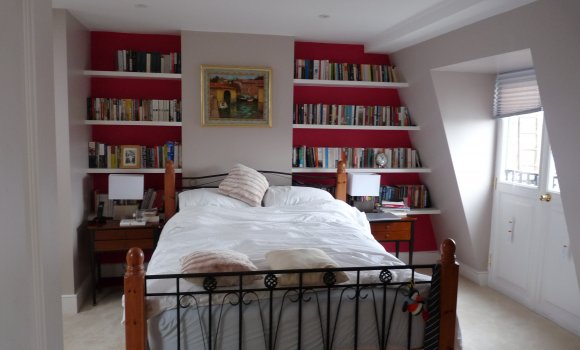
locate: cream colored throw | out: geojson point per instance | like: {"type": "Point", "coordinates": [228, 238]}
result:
{"type": "Point", "coordinates": [302, 258]}
{"type": "Point", "coordinates": [245, 184]}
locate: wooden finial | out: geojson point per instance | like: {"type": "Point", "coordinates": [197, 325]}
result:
{"type": "Point", "coordinates": [135, 259]}
{"type": "Point", "coordinates": [448, 248]}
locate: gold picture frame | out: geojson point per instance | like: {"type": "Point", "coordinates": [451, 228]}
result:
{"type": "Point", "coordinates": [236, 96]}
{"type": "Point", "coordinates": [130, 157]}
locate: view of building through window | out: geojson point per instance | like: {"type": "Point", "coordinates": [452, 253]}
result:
{"type": "Point", "coordinates": [523, 137]}
{"type": "Point", "coordinates": [521, 161]}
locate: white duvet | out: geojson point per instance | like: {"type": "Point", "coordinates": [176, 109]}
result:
{"type": "Point", "coordinates": [340, 230]}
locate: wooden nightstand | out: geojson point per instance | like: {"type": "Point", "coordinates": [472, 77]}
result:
{"type": "Point", "coordinates": [110, 237]}
{"type": "Point", "coordinates": [394, 230]}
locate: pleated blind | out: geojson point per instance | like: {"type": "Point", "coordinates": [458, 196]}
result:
{"type": "Point", "coordinates": [516, 93]}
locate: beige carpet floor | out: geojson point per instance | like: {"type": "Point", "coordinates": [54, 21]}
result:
{"type": "Point", "coordinates": [488, 320]}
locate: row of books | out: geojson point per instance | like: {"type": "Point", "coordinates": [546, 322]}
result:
{"type": "Point", "coordinates": [325, 114]}
{"type": "Point", "coordinates": [127, 109]}
{"type": "Point", "coordinates": [326, 70]}
{"type": "Point", "coordinates": [413, 196]}
{"type": "Point", "coordinates": [112, 157]}
{"type": "Point", "coordinates": [149, 62]}
{"type": "Point", "coordinates": [328, 157]}
{"type": "Point", "coordinates": [152, 199]}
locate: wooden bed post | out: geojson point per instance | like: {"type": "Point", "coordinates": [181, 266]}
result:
{"type": "Point", "coordinates": [135, 321]}
{"type": "Point", "coordinates": [448, 301]}
{"type": "Point", "coordinates": [341, 177]}
{"type": "Point", "coordinates": [169, 190]}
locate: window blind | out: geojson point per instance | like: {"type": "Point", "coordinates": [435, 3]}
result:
{"type": "Point", "coordinates": [516, 93]}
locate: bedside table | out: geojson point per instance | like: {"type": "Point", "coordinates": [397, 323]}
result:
{"type": "Point", "coordinates": [389, 229]}
{"type": "Point", "coordinates": [110, 237]}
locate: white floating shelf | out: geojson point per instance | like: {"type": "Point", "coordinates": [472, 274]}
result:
{"type": "Point", "coordinates": [365, 170]}
{"type": "Point", "coordinates": [132, 75]}
{"type": "Point", "coordinates": [128, 171]}
{"type": "Point", "coordinates": [424, 211]}
{"type": "Point", "coordinates": [134, 123]}
{"type": "Point", "coordinates": [355, 127]}
{"type": "Point", "coordinates": [346, 83]}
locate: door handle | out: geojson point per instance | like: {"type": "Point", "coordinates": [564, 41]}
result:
{"type": "Point", "coordinates": [545, 197]}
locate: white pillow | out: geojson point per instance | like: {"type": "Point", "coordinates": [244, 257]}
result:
{"type": "Point", "coordinates": [208, 197]}
{"type": "Point", "coordinates": [245, 184]}
{"type": "Point", "coordinates": [293, 195]}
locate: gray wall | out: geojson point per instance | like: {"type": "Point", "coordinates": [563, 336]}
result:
{"type": "Point", "coordinates": [71, 57]}
{"type": "Point", "coordinates": [217, 149]}
{"type": "Point", "coordinates": [550, 29]}
{"type": "Point", "coordinates": [29, 252]}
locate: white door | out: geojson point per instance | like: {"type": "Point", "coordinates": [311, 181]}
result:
{"type": "Point", "coordinates": [559, 294]}
{"type": "Point", "coordinates": [516, 207]}
{"type": "Point", "coordinates": [529, 256]}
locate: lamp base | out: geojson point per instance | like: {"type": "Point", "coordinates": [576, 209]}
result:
{"type": "Point", "coordinates": [364, 206]}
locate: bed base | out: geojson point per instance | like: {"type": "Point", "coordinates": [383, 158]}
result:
{"type": "Point", "coordinates": [442, 308]}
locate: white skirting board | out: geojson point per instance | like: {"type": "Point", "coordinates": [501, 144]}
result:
{"type": "Point", "coordinates": [72, 303]}
{"type": "Point", "coordinates": [478, 277]}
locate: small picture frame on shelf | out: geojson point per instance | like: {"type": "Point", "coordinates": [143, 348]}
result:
{"type": "Point", "coordinates": [236, 96]}
{"type": "Point", "coordinates": [130, 157]}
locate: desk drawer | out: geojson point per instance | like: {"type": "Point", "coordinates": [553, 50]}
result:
{"type": "Point", "coordinates": [391, 231]}
{"type": "Point", "coordinates": [126, 244]}
{"type": "Point", "coordinates": [137, 233]}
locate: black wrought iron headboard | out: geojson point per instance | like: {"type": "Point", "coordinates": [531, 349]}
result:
{"type": "Point", "coordinates": [326, 181]}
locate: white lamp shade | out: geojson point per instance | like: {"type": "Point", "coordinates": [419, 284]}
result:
{"type": "Point", "coordinates": [126, 186]}
{"type": "Point", "coordinates": [363, 184]}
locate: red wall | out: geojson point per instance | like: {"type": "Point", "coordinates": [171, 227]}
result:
{"type": "Point", "coordinates": [104, 46]}
{"type": "Point", "coordinates": [343, 53]}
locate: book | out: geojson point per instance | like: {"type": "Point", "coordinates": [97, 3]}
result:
{"type": "Point", "coordinates": [92, 154]}
{"type": "Point", "coordinates": [132, 222]}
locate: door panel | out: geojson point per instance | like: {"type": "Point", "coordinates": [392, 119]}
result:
{"type": "Point", "coordinates": [513, 245]}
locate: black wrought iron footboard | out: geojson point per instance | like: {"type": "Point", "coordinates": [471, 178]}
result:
{"type": "Point", "coordinates": [374, 309]}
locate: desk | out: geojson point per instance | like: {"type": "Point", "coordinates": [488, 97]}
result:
{"type": "Point", "coordinates": [394, 230]}
{"type": "Point", "coordinates": [110, 237]}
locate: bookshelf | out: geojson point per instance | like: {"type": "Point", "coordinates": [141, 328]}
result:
{"type": "Point", "coordinates": [132, 75]}
{"type": "Point", "coordinates": [356, 93]}
{"type": "Point", "coordinates": [365, 170]}
{"type": "Point", "coordinates": [133, 84]}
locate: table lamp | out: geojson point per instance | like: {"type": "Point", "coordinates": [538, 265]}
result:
{"type": "Point", "coordinates": [125, 187]}
{"type": "Point", "coordinates": [364, 185]}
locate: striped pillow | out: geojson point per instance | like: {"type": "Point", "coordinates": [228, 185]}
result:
{"type": "Point", "coordinates": [245, 184]}
{"type": "Point", "coordinates": [206, 261]}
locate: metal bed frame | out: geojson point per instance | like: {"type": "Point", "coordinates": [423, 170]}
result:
{"type": "Point", "coordinates": [439, 330]}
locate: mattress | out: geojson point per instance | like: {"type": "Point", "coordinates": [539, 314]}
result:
{"type": "Point", "coordinates": [338, 229]}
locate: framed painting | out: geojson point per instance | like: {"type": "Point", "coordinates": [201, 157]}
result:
{"type": "Point", "coordinates": [130, 157]}
{"type": "Point", "coordinates": [236, 96]}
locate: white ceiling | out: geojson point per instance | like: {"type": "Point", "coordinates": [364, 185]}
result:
{"type": "Point", "coordinates": [382, 25]}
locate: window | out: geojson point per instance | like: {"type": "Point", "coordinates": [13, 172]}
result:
{"type": "Point", "coordinates": [523, 141]}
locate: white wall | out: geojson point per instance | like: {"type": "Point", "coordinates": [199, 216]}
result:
{"type": "Point", "coordinates": [71, 57]}
{"type": "Point", "coordinates": [465, 103]}
{"type": "Point", "coordinates": [29, 252]}
{"type": "Point", "coordinates": [216, 149]}
{"type": "Point", "coordinates": [550, 29]}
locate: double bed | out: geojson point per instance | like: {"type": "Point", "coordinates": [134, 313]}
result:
{"type": "Point", "coordinates": [356, 296]}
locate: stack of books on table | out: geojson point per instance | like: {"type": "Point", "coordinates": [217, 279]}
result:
{"type": "Point", "coordinates": [397, 208]}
